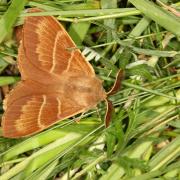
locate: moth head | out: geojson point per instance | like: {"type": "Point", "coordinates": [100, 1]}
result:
{"type": "Point", "coordinates": [97, 88]}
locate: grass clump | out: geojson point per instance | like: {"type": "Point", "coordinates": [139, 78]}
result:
{"type": "Point", "coordinates": [143, 140]}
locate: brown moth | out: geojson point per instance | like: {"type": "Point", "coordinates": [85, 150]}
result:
{"type": "Point", "coordinates": [56, 83]}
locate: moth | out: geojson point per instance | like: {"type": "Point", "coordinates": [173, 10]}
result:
{"type": "Point", "coordinates": [56, 82]}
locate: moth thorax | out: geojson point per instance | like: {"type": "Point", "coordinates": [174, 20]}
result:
{"type": "Point", "coordinates": [87, 91]}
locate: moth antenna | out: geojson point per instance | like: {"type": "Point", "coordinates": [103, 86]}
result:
{"type": "Point", "coordinates": [115, 88]}
{"type": "Point", "coordinates": [117, 84]}
{"type": "Point", "coordinates": [109, 112]}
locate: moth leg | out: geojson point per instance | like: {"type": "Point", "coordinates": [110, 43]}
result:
{"type": "Point", "coordinates": [77, 119]}
{"type": "Point", "coordinates": [98, 114]}
{"type": "Point", "coordinates": [117, 84]}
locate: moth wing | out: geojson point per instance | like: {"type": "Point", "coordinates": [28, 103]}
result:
{"type": "Point", "coordinates": [31, 72]}
{"type": "Point", "coordinates": [28, 112]}
{"type": "Point", "coordinates": [47, 46]}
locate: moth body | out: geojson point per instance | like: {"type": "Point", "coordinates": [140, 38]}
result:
{"type": "Point", "coordinates": [86, 91]}
{"type": "Point", "coordinates": [57, 83]}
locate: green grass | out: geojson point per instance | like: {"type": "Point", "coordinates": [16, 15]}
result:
{"type": "Point", "coordinates": [143, 140]}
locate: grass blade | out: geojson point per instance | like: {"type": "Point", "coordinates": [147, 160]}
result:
{"type": "Point", "coordinates": [159, 15]}
{"type": "Point", "coordinates": [10, 16]}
